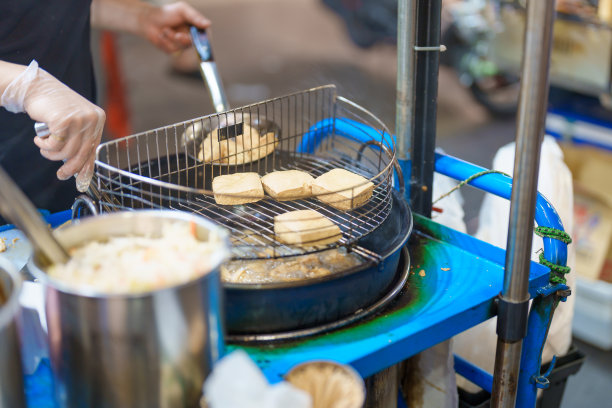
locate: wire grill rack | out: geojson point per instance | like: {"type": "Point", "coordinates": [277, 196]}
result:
{"type": "Point", "coordinates": [164, 168]}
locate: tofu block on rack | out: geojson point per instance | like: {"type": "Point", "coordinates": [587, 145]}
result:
{"type": "Point", "coordinates": [342, 189]}
{"type": "Point", "coordinates": [305, 228]}
{"type": "Point", "coordinates": [288, 184]}
{"type": "Point", "coordinates": [245, 147]}
{"type": "Point", "coordinates": [238, 188]}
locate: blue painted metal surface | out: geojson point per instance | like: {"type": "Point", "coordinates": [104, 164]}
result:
{"type": "Point", "coordinates": [475, 374]}
{"type": "Point", "coordinates": [356, 131]}
{"type": "Point", "coordinates": [498, 184]}
{"type": "Point", "coordinates": [343, 127]}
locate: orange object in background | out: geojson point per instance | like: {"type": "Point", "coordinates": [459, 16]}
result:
{"type": "Point", "coordinates": [116, 107]}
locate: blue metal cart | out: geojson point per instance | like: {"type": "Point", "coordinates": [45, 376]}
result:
{"type": "Point", "coordinates": [456, 281]}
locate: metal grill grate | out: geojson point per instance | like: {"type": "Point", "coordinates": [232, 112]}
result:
{"type": "Point", "coordinates": [314, 131]}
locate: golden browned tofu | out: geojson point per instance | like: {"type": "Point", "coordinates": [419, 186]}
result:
{"type": "Point", "coordinates": [305, 228]}
{"type": "Point", "coordinates": [288, 184]}
{"type": "Point", "coordinates": [342, 189]}
{"type": "Point", "coordinates": [238, 188]}
{"type": "Point", "coordinates": [243, 148]}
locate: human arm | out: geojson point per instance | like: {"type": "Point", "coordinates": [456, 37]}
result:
{"type": "Point", "coordinates": [166, 27]}
{"type": "Point", "coordinates": [75, 123]}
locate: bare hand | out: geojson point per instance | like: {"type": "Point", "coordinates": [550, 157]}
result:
{"type": "Point", "coordinates": [167, 27]}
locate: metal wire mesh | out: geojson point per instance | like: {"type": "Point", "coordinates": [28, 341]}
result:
{"type": "Point", "coordinates": [166, 167]}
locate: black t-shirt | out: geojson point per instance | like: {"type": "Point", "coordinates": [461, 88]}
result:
{"type": "Point", "coordinates": [56, 33]}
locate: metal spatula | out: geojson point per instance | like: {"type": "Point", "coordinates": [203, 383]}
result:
{"type": "Point", "coordinates": [208, 68]}
{"type": "Point", "coordinates": [18, 209]}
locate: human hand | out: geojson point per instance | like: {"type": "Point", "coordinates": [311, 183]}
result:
{"type": "Point", "coordinates": [167, 27]}
{"type": "Point", "coordinates": [75, 124]}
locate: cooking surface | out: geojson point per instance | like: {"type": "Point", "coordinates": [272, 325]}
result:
{"type": "Point", "coordinates": [290, 269]}
{"type": "Point", "coordinates": [318, 131]}
{"type": "Point", "coordinates": [251, 225]}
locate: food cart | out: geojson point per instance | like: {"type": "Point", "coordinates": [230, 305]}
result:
{"type": "Point", "coordinates": [442, 283]}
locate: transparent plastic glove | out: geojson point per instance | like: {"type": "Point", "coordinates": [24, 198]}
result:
{"type": "Point", "coordinates": [75, 123]}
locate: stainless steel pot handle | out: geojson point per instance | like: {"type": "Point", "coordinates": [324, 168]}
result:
{"type": "Point", "coordinates": [398, 168]}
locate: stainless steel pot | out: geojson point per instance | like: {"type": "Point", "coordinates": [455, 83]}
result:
{"type": "Point", "coordinates": [11, 373]}
{"type": "Point", "coordinates": [139, 350]}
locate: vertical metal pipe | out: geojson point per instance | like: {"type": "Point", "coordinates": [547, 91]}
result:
{"type": "Point", "coordinates": [512, 317]}
{"type": "Point", "coordinates": [404, 108]}
{"type": "Point", "coordinates": [427, 17]}
{"type": "Point", "coordinates": [405, 96]}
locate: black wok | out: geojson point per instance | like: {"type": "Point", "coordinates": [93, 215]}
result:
{"type": "Point", "coordinates": [289, 306]}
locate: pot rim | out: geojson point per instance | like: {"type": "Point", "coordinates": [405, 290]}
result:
{"type": "Point", "coordinates": [9, 309]}
{"type": "Point", "coordinates": [218, 257]}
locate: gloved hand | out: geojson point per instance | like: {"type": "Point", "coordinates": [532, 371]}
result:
{"type": "Point", "coordinates": [75, 123]}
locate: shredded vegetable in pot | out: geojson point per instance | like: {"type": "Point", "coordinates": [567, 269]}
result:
{"type": "Point", "coordinates": [132, 264]}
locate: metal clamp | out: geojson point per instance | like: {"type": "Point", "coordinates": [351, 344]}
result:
{"type": "Point", "coordinates": [541, 381]}
{"type": "Point", "coordinates": [561, 290]}
{"type": "Point", "coordinates": [440, 48]}
{"type": "Point", "coordinates": [511, 319]}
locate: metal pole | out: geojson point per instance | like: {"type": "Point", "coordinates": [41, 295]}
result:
{"type": "Point", "coordinates": [427, 49]}
{"type": "Point", "coordinates": [404, 111]}
{"type": "Point", "coordinates": [514, 300]}
{"type": "Point", "coordinates": [405, 96]}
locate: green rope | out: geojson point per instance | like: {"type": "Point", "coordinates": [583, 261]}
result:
{"type": "Point", "coordinates": [547, 232]}
{"type": "Point", "coordinates": [557, 272]}
{"type": "Point", "coordinates": [467, 180]}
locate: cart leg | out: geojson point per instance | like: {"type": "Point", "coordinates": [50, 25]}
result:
{"type": "Point", "coordinates": [381, 388]}
{"type": "Point", "coordinates": [540, 317]}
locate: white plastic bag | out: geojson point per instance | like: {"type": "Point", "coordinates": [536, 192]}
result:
{"type": "Point", "coordinates": [478, 344]}
{"type": "Point", "coordinates": [237, 382]}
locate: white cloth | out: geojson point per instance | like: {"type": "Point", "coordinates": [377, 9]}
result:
{"type": "Point", "coordinates": [478, 344]}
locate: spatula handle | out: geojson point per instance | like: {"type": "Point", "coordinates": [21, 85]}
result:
{"type": "Point", "coordinates": [208, 68]}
